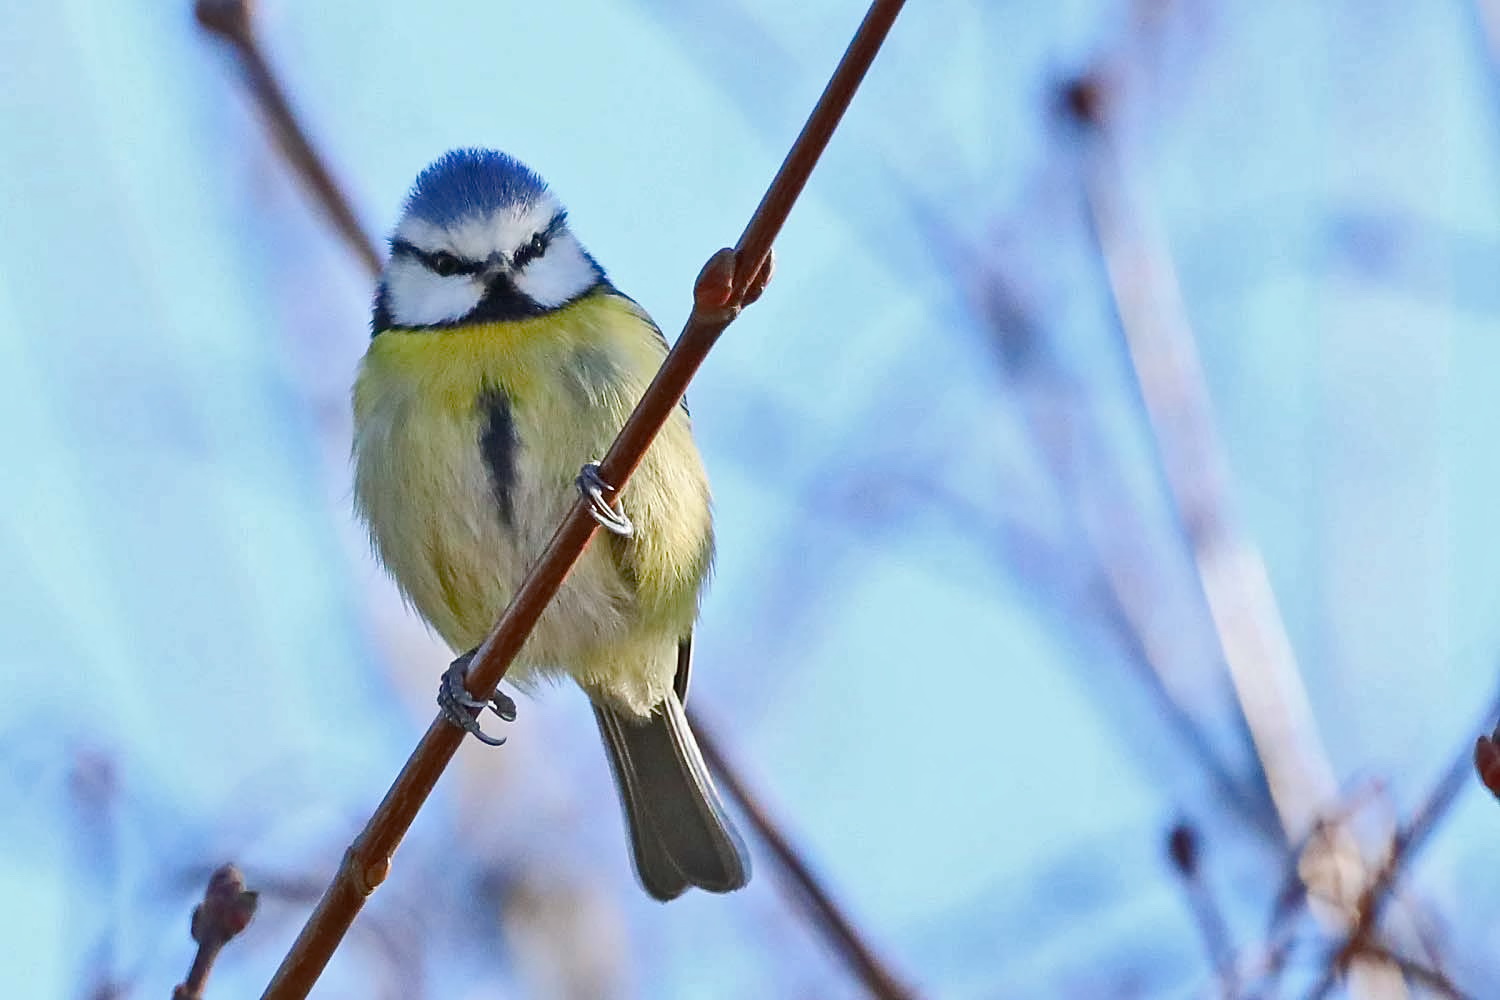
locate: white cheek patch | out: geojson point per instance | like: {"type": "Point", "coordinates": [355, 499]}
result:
{"type": "Point", "coordinates": [560, 275]}
{"type": "Point", "coordinates": [417, 297]}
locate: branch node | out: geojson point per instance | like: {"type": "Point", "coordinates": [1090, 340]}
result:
{"type": "Point", "coordinates": [226, 910]}
{"type": "Point", "coordinates": [1182, 846]}
{"type": "Point", "coordinates": [362, 876]}
{"type": "Point", "coordinates": [1084, 100]}
{"type": "Point", "coordinates": [1487, 761]}
{"type": "Point", "coordinates": [721, 291]}
{"type": "Point", "coordinates": [229, 19]}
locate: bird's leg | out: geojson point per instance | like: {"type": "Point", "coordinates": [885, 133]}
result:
{"type": "Point", "coordinates": [461, 708]}
{"type": "Point", "coordinates": [593, 487]}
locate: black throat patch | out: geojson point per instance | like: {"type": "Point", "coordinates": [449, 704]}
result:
{"type": "Point", "coordinates": [503, 301]}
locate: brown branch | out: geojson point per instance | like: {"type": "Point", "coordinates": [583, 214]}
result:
{"type": "Point", "coordinates": [94, 796]}
{"type": "Point", "coordinates": [1230, 569]}
{"type": "Point", "coordinates": [231, 20]}
{"type": "Point", "coordinates": [1487, 761]}
{"type": "Point", "coordinates": [226, 910]}
{"type": "Point", "coordinates": [1434, 979]}
{"type": "Point", "coordinates": [1231, 572]}
{"type": "Point", "coordinates": [1112, 586]}
{"type": "Point", "coordinates": [1184, 848]}
{"type": "Point", "coordinates": [1487, 754]}
{"type": "Point", "coordinates": [1292, 893]}
{"type": "Point", "coordinates": [857, 953]}
{"type": "Point", "coordinates": [719, 295]}
{"type": "Point", "coordinates": [1404, 847]}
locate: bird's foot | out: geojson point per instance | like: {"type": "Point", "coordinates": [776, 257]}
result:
{"type": "Point", "coordinates": [593, 487]}
{"type": "Point", "coordinates": [461, 708]}
{"type": "Point", "coordinates": [713, 292]}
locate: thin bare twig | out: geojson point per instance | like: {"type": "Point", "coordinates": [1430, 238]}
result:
{"type": "Point", "coordinates": [231, 20]}
{"type": "Point", "coordinates": [1184, 847]}
{"type": "Point", "coordinates": [1112, 586]}
{"type": "Point", "coordinates": [1405, 846]}
{"type": "Point", "coordinates": [94, 795]}
{"type": "Point", "coordinates": [845, 937]}
{"type": "Point", "coordinates": [1292, 892]}
{"type": "Point", "coordinates": [1230, 569]}
{"type": "Point", "coordinates": [226, 910]}
{"type": "Point", "coordinates": [1434, 979]}
{"type": "Point", "coordinates": [1486, 20]}
{"type": "Point", "coordinates": [719, 294]}
{"type": "Point", "coordinates": [1487, 761]}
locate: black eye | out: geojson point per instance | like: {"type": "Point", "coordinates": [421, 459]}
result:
{"type": "Point", "coordinates": [531, 251]}
{"type": "Point", "coordinates": [443, 263]}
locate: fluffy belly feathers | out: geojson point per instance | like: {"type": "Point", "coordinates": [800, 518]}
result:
{"type": "Point", "coordinates": [467, 442]}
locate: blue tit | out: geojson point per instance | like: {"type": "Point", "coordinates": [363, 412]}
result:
{"type": "Point", "coordinates": [502, 359]}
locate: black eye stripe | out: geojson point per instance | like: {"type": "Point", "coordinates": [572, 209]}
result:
{"type": "Point", "coordinates": [443, 263]}
{"type": "Point", "coordinates": [539, 242]}
{"type": "Point", "coordinates": [438, 262]}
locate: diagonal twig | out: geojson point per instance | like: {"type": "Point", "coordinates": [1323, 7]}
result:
{"type": "Point", "coordinates": [1409, 840]}
{"type": "Point", "coordinates": [1230, 570]}
{"type": "Point", "coordinates": [367, 861]}
{"type": "Point", "coordinates": [232, 21]}
{"type": "Point", "coordinates": [226, 910]}
{"type": "Point", "coordinates": [845, 937]}
{"type": "Point", "coordinates": [1111, 587]}
{"type": "Point", "coordinates": [1434, 979]}
{"type": "Point", "coordinates": [1184, 848]}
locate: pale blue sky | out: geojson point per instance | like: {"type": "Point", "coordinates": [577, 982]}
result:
{"type": "Point", "coordinates": [957, 751]}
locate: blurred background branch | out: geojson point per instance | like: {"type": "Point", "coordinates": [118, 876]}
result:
{"type": "Point", "coordinates": [1230, 569]}
{"type": "Point", "coordinates": [226, 910]}
{"type": "Point", "coordinates": [234, 22]}
{"type": "Point", "coordinates": [1006, 606]}
{"type": "Point", "coordinates": [1380, 890]}
{"type": "Point", "coordinates": [1231, 572]}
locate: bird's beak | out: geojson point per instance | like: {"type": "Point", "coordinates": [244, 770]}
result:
{"type": "Point", "coordinates": [496, 265]}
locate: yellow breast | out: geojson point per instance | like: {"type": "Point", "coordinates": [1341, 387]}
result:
{"type": "Point", "coordinates": [434, 508]}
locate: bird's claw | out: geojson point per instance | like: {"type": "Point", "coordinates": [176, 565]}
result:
{"type": "Point", "coordinates": [461, 708]}
{"type": "Point", "coordinates": [592, 486]}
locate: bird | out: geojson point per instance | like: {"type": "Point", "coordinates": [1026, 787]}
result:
{"type": "Point", "coordinates": [501, 360]}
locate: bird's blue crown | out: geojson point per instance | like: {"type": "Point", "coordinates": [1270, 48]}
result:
{"type": "Point", "coordinates": [472, 182]}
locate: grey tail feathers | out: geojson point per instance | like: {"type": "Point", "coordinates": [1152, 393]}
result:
{"type": "Point", "coordinates": [680, 834]}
